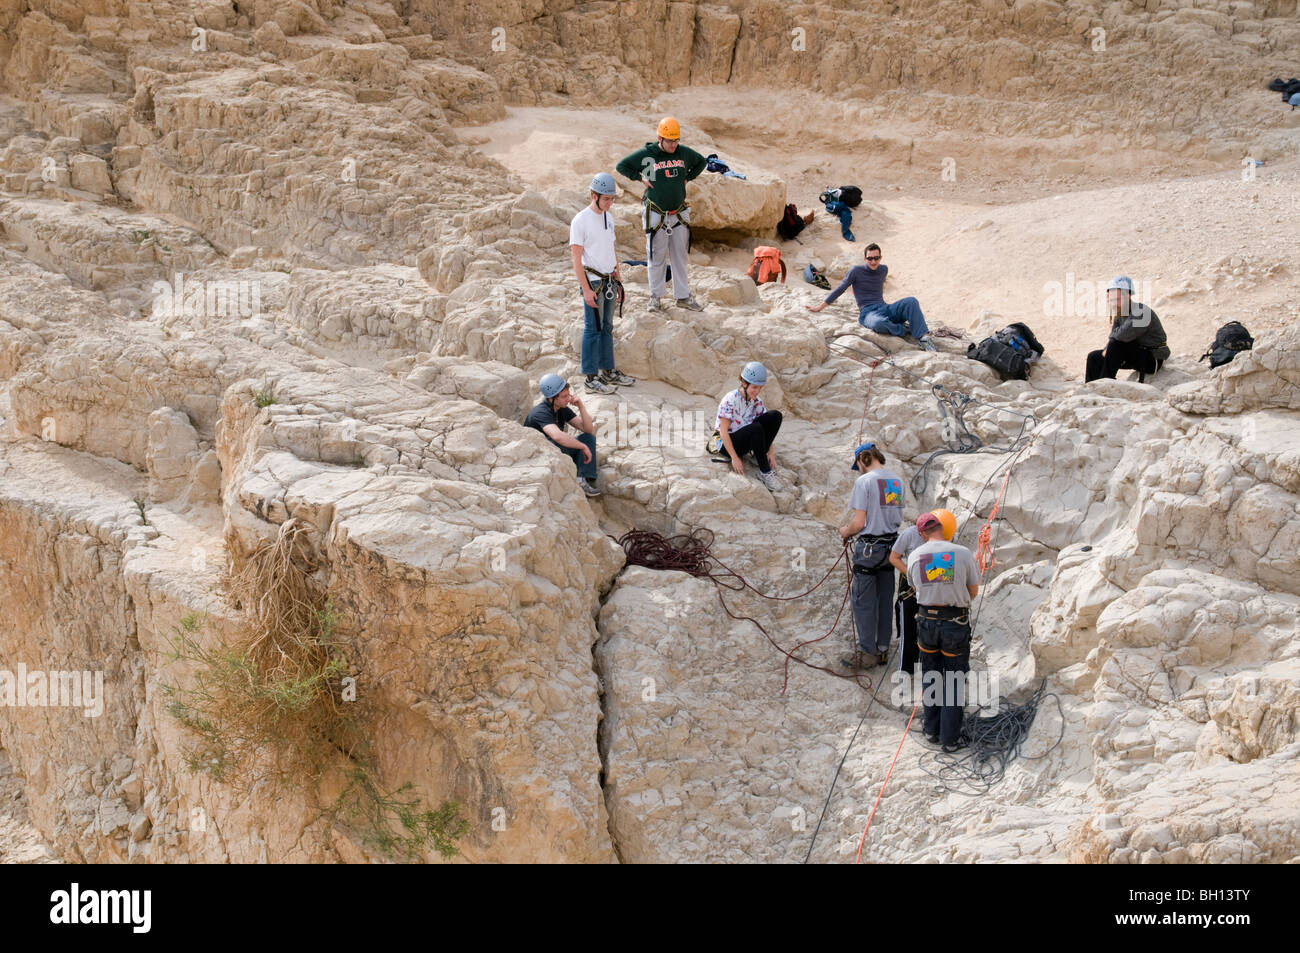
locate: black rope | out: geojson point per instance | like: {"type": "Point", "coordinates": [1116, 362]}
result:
{"type": "Point", "coordinates": [992, 742]}
{"type": "Point", "coordinates": [827, 803]}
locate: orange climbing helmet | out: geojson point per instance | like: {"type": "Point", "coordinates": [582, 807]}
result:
{"type": "Point", "coordinates": [669, 129]}
{"type": "Point", "coordinates": [947, 521]}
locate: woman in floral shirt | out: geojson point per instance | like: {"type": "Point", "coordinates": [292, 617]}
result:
{"type": "Point", "coordinates": [746, 426]}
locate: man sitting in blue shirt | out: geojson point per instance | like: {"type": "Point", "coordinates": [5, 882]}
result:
{"type": "Point", "coordinates": [868, 281]}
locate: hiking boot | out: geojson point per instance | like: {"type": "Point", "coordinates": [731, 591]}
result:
{"type": "Point", "coordinates": [588, 487]}
{"type": "Point", "coordinates": [933, 739]}
{"type": "Point", "coordinates": [853, 662]}
{"type": "Point", "coordinates": [617, 378]}
{"type": "Point", "coordinates": [769, 480]}
{"type": "Point", "coordinates": [927, 344]}
{"type": "Point", "coordinates": [690, 304]}
{"type": "Point", "coordinates": [960, 745]}
{"type": "Point", "coordinates": [882, 658]}
{"type": "Point", "coordinates": [654, 305]}
{"type": "Point", "coordinates": [597, 386]}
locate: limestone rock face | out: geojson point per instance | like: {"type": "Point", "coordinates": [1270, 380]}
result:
{"type": "Point", "coordinates": [296, 261]}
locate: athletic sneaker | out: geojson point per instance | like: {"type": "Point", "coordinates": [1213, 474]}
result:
{"type": "Point", "coordinates": [961, 745]}
{"type": "Point", "coordinates": [690, 304]}
{"type": "Point", "coordinates": [588, 487]}
{"type": "Point", "coordinates": [617, 378]}
{"type": "Point", "coordinates": [598, 386]}
{"type": "Point", "coordinates": [769, 480]}
{"type": "Point", "coordinates": [933, 739]}
{"type": "Point", "coordinates": [654, 305]}
{"type": "Point", "coordinates": [927, 344]}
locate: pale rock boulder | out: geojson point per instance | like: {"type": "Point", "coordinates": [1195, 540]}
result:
{"type": "Point", "coordinates": [90, 174]}
{"type": "Point", "coordinates": [445, 503]}
{"type": "Point", "coordinates": [172, 453]}
{"type": "Point", "coordinates": [501, 388]}
{"type": "Point", "coordinates": [1266, 377]}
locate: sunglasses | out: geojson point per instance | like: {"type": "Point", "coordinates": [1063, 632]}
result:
{"type": "Point", "coordinates": [873, 258]}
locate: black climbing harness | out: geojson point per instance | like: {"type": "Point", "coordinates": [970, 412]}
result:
{"type": "Point", "coordinates": [610, 288]}
{"type": "Point", "coordinates": [682, 216]}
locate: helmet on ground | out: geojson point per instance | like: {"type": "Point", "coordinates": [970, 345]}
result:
{"type": "Point", "coordinates": [551, 384]}
{"type": "Point", "coordinates": [1122, 283]}
{"type": "Point", "coordinates": [858, 452]}
{"type": "Point", "coordinates": [603, 184]}
{"type": "Point", "coordinates": [948, 522]}
{"type": "Point", "coordinates": [754, 373]}
{"type": "Point", "coordinates": [669, 129]}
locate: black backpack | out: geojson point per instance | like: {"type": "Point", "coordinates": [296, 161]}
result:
{"type": "Point", "coordinates": [791, 223]}
{"type": "Point", "coordinates": [1228, 340]}
{"type": "Point", "coordinates": [850, 195]}
{"type": "Point", "coordinates": [1008, 351]}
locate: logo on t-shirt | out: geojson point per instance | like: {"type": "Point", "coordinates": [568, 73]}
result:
{"type": "Point", "coordinates": [891, 492]}
{"type": "Point", "coordinates": [941, 567]}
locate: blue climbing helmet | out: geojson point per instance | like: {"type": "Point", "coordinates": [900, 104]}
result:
{"type": "Point", "coordinates": [754, 373]}
{"type": "Point", "coordinates": [551, 384]}
{"type": "Point", "coordinates": [603, 184]}
{"type": "Point", "coordinates": [1121, 283]}
{"type": "Point", "coordinates": [858, 452]}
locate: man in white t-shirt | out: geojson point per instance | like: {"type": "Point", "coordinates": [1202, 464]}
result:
{"type": "Point", "coordinates": [595, 262]}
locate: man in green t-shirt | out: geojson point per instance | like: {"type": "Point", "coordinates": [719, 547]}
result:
{"type": "Point", "coordinates": [665, 167]}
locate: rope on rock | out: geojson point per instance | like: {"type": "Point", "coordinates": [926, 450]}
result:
{"type": "Point", "coordinates": [693, 553]}
{"type": "Point", "coordinates": [993, 743]}
{"type": "Point", "coordinates": [952, 408]}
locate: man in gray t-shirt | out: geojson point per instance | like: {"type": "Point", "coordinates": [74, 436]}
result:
{"type": "Point", "coordinates": [942, 573]}
{"type": "Point", "coordinates": [879, 494]}
{"type": "Point", "coordinates": [946, 579]}
{"type": "Point", "coordinates": [877, 506]}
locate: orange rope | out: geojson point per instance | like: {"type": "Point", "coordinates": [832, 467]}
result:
{"type": "Point", "coordinates": [858, 860]}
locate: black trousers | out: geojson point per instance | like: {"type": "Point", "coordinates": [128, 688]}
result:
{"type": "Point", "coordinates": [945, 660]}
{"type": "Point", "coordinates": [1118, 356]}
{"type": "Point", "coordinates": [905, 614]}
{"type": "Point", "coordinates": [757, 438]}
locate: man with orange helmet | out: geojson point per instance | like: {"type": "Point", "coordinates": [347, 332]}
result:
{"type": "Point", "coordinates": [909, 540]}
{"type": "Point", "coordinates": [665, 167]}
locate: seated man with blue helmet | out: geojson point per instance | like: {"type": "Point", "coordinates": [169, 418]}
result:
{"type": "Point", "coordinates": [552, 415]}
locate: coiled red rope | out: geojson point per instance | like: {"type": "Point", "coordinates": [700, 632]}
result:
{"type": "Point", "coordinates": [692, 553]}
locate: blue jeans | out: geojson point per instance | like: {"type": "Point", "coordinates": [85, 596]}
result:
{"type": "Point", "coordinates": [598, 345]}
{"type": "Point", "coordinates": [897, 318]}
{"type": "Point", "coordinates": [945, 648]}
{"type": "Point", "coordinates": [845, 215]}
{"type": "Point", "coordinates": [585, 470]}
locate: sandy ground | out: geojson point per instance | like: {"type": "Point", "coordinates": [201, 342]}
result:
{"type": "Point", "coordinates": [1003, 242]}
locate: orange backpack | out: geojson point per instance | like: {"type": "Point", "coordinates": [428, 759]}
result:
{"type": "Point", "coordinates": [767, 265]}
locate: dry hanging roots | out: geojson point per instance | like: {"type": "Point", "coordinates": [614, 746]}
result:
{"type": "Point", "coordinates": [287, 623]}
